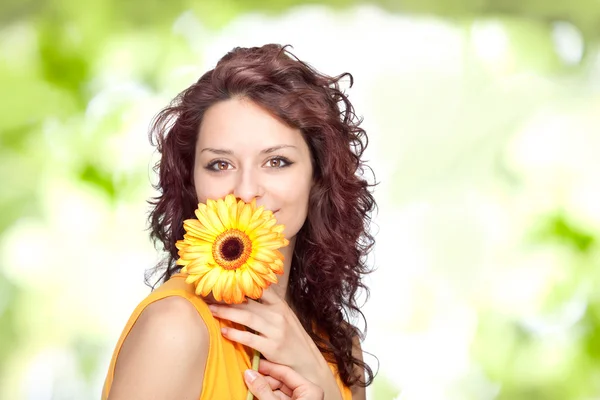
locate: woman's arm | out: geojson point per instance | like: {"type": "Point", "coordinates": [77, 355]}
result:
{"type": "Point", "coordinates": [164, 355]}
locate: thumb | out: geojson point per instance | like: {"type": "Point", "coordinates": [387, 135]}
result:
{"type": "Point", "coordinates": [258, 385]}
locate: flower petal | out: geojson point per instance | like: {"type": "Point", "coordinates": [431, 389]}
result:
{"type": "Point", "coordinates": [238, 295]}
{"type": "Point", "coordinates": [274, 245]}
{"type": "Point", "coordinates": [277, 266]}
{"type": "Point", "coordinates": [265, 255]}
{"type": "Point", "coordinates": [257, 293]}
{"type": "Point", "coordinates": [259, 281]}
{"type": "Point", "coordinates": [278, 228]}
{"type": "Point", "coordinates": [198, 267]}
{"type": "Point", "coordinates": [194, 228]}
{"type": "Point", "coordinates": [270, 223]}
{"type": "Point", "coordinates": [259, 232]}
{"type": "Point", "coordinates": [230, 200]}
{"type": "Point", "coordinates": [246, 282]}
{"type": "Point", "coordinates": [201, 214]}
{"type": "Point", "coordinates": [191, 279]}
{"type": "Point", "coordinates": [240, 208]}
{"type": "Point", "coordinates": [227, 289]}
{"type": "Point", "coordinates": [233, 215]}
{"type": "Point", "coordinates": [256, 224]}
{"type": "Point", "coordinates": [257, 213]}
{"type": "Point", "coordinates": [220, 285]}
{"type": "Point", "coordinates": [207, 282]}
{"type": "Point", "coordinates": [213, 217]}
{"type": "Point", "coordinates": [197, 249]}
{"type": "Point", "coordinates": [223, 213]}
{"type": "Point", "coordinates": [267, 238]}
{"type": "Point", "coordinates": [180, 244]}
{"type": "Point", "coordinates": [244, 220]}
{"type": "Point", "coordinates": [183, 262]}
{"type": "Point", "coordinates": [271, 277]}
{"type": "Point", "coordinates": [211, 204]}
{"type": "Point", "coordinates": [257, 266]}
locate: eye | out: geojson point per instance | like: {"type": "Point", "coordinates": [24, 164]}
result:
{"type": "Point", "coordinates": [278, 162]}
{"type": "Point", "coordinates": [218, 165]}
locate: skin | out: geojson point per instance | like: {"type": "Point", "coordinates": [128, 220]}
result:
{"type": "Point", "coordinates": [280, 383]}
{"type": "Point", "coordinates": [244, 150]}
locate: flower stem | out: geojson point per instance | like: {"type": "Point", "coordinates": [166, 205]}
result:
{"type": "Point", "coordinates": [255, 361]}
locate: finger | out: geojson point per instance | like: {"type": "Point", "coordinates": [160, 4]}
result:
{"type": "Point", "coordinates": [246, 338]}
{"type": "Point", "coordinates": [210, 299]}
{"type": "Point", "coordinates": [240, 315]}
{"type": "Point", "coordinates": [279, 386]}
{"type": "Point", "coordinates": [258, 385]}
{"type": "Point", "coordinates": [256, 306]}
{"type": "Point", "coordinates": [249, 304]}
{"type": "Point", "coordinates": [274, 384]}
{"type": "Point", "coordinates": [282, 373]}
{"type": "Point", "coordinates": [270, 296]}
{"type": "Point", "coordinates": [282, 396]}
{"type": "Point", "coordinates": [285, 391]}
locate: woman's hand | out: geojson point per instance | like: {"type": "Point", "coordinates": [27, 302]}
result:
{"type": "Point", "coordinates": [280, 383]}
{"type": "Point", "coordinates": [279, 336]}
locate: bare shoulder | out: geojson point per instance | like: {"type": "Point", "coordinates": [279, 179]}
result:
{"type": "Point", "coordinates": [164, 355]}
{"type": "Point", "coordinates": [358, 392]}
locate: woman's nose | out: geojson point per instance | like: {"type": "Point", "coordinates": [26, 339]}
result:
{"type": "Point", "coordinates": [248, 186]}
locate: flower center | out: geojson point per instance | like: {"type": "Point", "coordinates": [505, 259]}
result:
{"type": "Point", "coordinates": [231, 249]}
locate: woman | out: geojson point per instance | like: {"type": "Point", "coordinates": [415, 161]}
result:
{"type": "Point", "coordinates": [261, 125]}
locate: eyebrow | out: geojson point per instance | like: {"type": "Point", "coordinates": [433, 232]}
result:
{"type": "Point", "coordinates": [230, 152]}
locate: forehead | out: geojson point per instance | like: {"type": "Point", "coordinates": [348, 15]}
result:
{"type": "Point", "coordinates": [241, 123]}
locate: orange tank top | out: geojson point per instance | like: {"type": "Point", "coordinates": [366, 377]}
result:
{"type": "Point", "coordinates": [226, 360]}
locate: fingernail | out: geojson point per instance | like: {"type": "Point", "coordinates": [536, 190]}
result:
{"type": "Point", "coordinates": [250, 375]}
{"type": "Point", "coordinates": [224, 331]}
{"type": "Point", "coordinates": [212, 309]}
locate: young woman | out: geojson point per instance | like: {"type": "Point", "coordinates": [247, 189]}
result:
{"type": "Point", "coordinates": [261, 125]}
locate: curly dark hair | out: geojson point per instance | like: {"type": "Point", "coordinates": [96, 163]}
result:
{"type": "Point", "coordinates": [329, 258]}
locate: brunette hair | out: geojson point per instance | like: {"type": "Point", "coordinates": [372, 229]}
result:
{"type": "Point", "coordinates": [331, 247]}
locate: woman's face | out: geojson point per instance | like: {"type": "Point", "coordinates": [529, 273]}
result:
{"type": "Point", "coordinates": [242, 149]}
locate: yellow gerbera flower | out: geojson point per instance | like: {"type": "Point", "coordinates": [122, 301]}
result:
{"type": "Point", "coordinates": [231, 249]}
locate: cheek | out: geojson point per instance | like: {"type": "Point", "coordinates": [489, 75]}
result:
{"type": "Point", "coordinates": [207, 187]}
{"type": "Point", "coordinates": [296, 207]}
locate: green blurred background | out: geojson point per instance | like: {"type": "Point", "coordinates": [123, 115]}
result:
{"type": "Point", "coordinates": [484, 120]}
